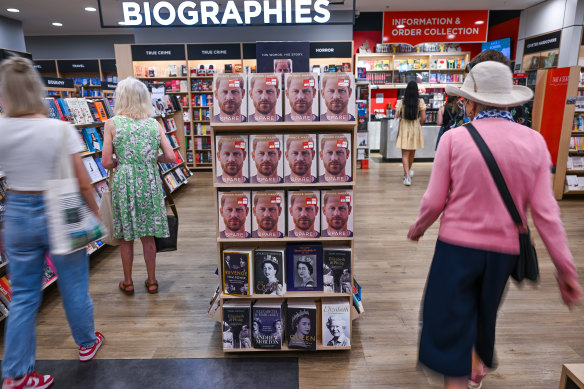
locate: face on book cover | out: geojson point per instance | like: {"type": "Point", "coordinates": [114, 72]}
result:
{"type": "Point", "coordinates": [334, 158]}
{"type": "Point", "coordinates": [300, 97]}
{"type": "Point", "coordinates": [234, 215]}
{"type": "Point", "coordinates": [231, 159]}
{"type": "Point", "coordinates": [266, 159]}
{"type": "Point", "coordinates": [303, 215]}
{"type": "Point", "coordinates": [336, 97]}
{"type": "Point", "coordinates": [299, 158]}
{"type": "Point", "coordinates": [337, 215]}
{"type": "Point", "coordinates": [229, 99]}
{"type": "Point", "coordinates": [267, 214]}
{"type": "Point", "coordinates": [264, 97]}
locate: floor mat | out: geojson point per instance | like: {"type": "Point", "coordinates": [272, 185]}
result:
{"type": "Point", "coordinates": [281, 373]}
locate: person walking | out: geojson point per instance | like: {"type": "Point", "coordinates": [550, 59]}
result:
{"type": "Point", "coordinates": [30, 144]}
{"type": "Point", "coordinates": [446, 115]}
{"type": "Point", "coordinates": [138, 205]}
{"type": "Point", "coordinates": [412, 111]}
{"type": "Point", "coordinates": [478, 243]}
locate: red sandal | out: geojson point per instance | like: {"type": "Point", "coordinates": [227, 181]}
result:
{"type": "Point", "coordinates": [151, 284]}
{"type": "Point", "coordinates": [124, 288]}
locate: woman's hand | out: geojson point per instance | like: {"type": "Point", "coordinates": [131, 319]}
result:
{"type": "Point", "coordinates": [415, 235]}
{"type": "Point", "coordinates": [570, 289]}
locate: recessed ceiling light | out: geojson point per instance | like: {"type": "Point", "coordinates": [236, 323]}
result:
{"type": "Point", "coordinates": [400, 26]}
{"type": "Point", "coordinates": [451, 36]}
{"type": "Point", "coordinates": [90, 9]}
{"type": "Point", "coordinates": [480, 22]}
{"type": "Point", "coordinates": [56, 24]}
{"type": "Point", "coordinates": [12, 10]}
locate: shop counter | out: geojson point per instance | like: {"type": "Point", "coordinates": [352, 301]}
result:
{"type": "Point", "coordinates": [390, 152]}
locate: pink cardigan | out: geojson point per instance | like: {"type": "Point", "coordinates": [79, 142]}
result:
{"type": "Point", "coordinates": [473, 213]}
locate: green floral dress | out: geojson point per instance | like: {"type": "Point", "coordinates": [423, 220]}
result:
{"type": "Point", "coordinates": [137, 196]}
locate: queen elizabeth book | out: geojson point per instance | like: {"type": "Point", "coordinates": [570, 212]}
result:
{"type": "Point", "coordinates": [268, 324]}
{"type": "Point", "coordinates": [236, 324]}
{"type": "Point", "coordinates": [304, 267]}
{"type": "Point", "coordinates": [237, 275]}
{"type": "Point", "coordinates": [336, 273]}
{"type": "Point", "coordinates": [301, 324]}
{"type": "Point", "coordinates": [268, 266]}
{"type": "Point", "coordinates": [336, 322]}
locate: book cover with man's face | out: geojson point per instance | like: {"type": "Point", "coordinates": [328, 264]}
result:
{"type": "Point", "coordinates": [267, 158]}
{"type": "Point", "coordinates": [336, 213]}
{"type": "Point", "coordinates": [337, 97]}
{"type": "Point", "coordinates": [300, 165]}
{"type": "Point", "coordinates": [265, 97]}
{"type": "Point", "coordinates": [230, 98]}
{"type": "Point", "coordinates": [234, 215]}
{"type": "Point", "coordinates": [334, 158]}
{"type": "Point", "coordinates": [231, 153]}
{"type": "Point", "coordinates": [301, 97]}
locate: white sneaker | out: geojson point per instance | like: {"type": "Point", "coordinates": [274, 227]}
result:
{"type": "Point", "coordinates": [411, 173]}
{"type": "Point", "coordinates": [407, 181]}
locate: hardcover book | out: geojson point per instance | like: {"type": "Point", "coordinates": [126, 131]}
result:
{"type": "Point", "coordinates": [269, 274]}
{"type": "Point", "coordinates": [237, 274]}
{"type": "Point", "coordinates": [268, 324]}
{"type": "Point", "coordinates": [334, 158]}
{"type": "Point", "coordinates": [230, 102]}
{"type": "Point", "coordinates": [336, 322]}
{"type": "Point", "coordinates": [300, 165]}
{"type": "Point", "coordinates": [92, 139]}
{"type": "Point", "coordinates": [266, 164]}
{"type": "Point", "coordinates": [234, 215]}
{"type": "Point", "coordinates": [267, 219]}
{"type": "Point", "coordinates": [304, 214]}
{"type": "Point", "coordinates": [337, 97]}
{"type": "Point", "coordinates": [236, 324]}
{"type": "Point", "coordinates": [301, 97]}
{"type": "Point", "coordinates": [265, 98]}
{"type": "Point", "coordinates": [232, 165]}
{"type": "Point", "coordinates": [100, 167]}
{"type": "Point", "coordinates": [304, 267]}
{"type": "Point", "coordinates": [301, 324]}
{"type": "Point", "coordinates": [101, 187]}
{"type": "Point", "coordinates": [336, 270]}
{"type": "Point", "coordinates": [336, 213]}
{"type": "Point", "coordinates": [92, 169]}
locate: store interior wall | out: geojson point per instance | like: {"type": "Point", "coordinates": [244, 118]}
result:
{"type": "Point", "coordinates": [74, 46]}
{"type": "Point", "coordinates": [11, 34]}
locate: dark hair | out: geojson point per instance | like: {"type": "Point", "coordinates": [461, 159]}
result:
{"type": "Point", "coordinates": [411, 101]}
{"type": "Point", "coordinates": [488, 55]}
{"type": "Point", "coordinates": [307, 263]}
{"type": "Point", "coordinates": [452, 104]}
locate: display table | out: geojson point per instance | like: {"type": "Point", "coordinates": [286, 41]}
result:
{"type": "Point", "coordinates": [390, 152]}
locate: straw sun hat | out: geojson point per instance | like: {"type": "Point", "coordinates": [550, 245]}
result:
{"type": "Point", "coordinates": [491, 83]}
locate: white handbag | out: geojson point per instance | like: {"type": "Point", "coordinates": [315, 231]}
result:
{"type": "Point", "coordinates": [106, 214]}
{"type": "Point", "coordinates": [394, 130]}
{"type": "Point", "coordinates": [72, 225]}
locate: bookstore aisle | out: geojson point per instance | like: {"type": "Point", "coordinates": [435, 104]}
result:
{"type": "Point", "coordinates": [392, 271]}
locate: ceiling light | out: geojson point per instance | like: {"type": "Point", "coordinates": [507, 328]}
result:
{"type": "Point", "coordinates": [56, 24]}
{"type": "Point", "coordinates": [12, 10]}
{"type": "Point", "coordinates": [400, 26]}
{"type": "Point", "coordinates": [90, 9]}
{"type": "Point", "coordinates": [480, 22]}
{"type": "Point", "coordinates": [451, 36]}
{"type": "Point", "coordinates": [122, 23]}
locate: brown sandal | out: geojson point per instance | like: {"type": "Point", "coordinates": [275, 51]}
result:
{"type": "Point", "coordinates": [124, 288]}
{"type": "Point", "coordinates": [151, 284]}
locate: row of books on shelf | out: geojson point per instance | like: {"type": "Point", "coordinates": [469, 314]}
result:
{"type": "Point", "coordinates": [408, 64]}
{"type": "Point", "coordinates": [94, 168]}
{"type": "Point", "coordinates": [574, 182]}
{"type": "Point", "coordinates": [578, 123]}
{"type": "Point", "coordinates": [201, 114]}
{"type": "Point", "coordinates": [201, 86]}
{"type": "Point", "coordinates": [202, 143]}
{"type": "Point", "coordinates": [272, 324]}
{"type": "Point", "coordinates": [91, 138]}
{"type": "Point", "coordinates": [202, 100]}
{"type": "Point", "coordinates": [87, 81]}
{"type": "Point", "coordinates": [308, 267]}
{"type": "Point", "coordinates": [575, 163]}
{"type": "Point", "coordinates": [176, 178]}
{"type": "Point", "coordinates": [176, 86]}
{"type": "Point", "coordinates": [80, 110]}
{"type": "Point", "coordinates": [172, 139]}
{"type": "Point", "coordinates": [164, 167]}
{"type": "Point", "coordinates": [165, 104]}
{"type": "Point", "coordinates": [263, 214]}
{"type": "Point", "coordinates": [168, 124]}
{"type": "Point", "coordinates": [577, 143]}
{"type": "Point", "coordinates": [199, 157]}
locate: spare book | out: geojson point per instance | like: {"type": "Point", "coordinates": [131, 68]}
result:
{"type": "Point", "coordinates": [336, 271]}
{"type": "Point", "coordinates": [237, 275]}
{"type": "Point", "coordinates": [268, 266]}
{"type": "Point", "coordinates": [304, 267]}
{"type": "Point", "coordinates": [236, 324]}
{"type": "Point", "coordinates": [268, 324]}
{"type": "Point", "coordinates": [301, 324]}
{"type": "Point", "coordinates": [336, 322]}
{"type": "Point", "coordinates": [268, 214]}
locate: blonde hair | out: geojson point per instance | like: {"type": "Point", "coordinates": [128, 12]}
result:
{"type": "Point", "coordinates": [133, 99]}
{"type": "Point", "coordinates": [22, 90]}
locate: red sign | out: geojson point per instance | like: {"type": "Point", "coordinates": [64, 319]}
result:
{"type": "Point", "coordinates": [271, 81]}
{"type": "Point", "coordinates": [414, 27]}
{"type": "Point", "coordinates": [519, 75]}
{"type": "Point", "coordinates": [556, 91]}
{"type": "Point", "coordinates": [346, 199]}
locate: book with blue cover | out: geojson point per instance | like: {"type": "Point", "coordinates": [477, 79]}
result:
{"type": "Point", "coordinates": [92, 138]}
{"type": "Point", "coordinates": [64, 108]}
{"type": "Point", "coordinates": [268, 324]}
{"type": "Point", "coordinates": [304, 267]}
{"type": "Point", "coordinates": [100, 167]}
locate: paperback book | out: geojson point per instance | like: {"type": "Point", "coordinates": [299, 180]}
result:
{"type": "Point", "coordinates": [92, 139]}
{"type": "Point", "coordinates": [236, 324]}
{"type": "Point", "coordinates": [267, 216]}
{"type": "Point", "coordinates": [336, 322]}
{"type": "Point", "coordinates": [304, 267]}
{"type": "Point", "coordinates": [301, 324]}
{"type": "Point", "coordinates": [336, 273]}
{"type": "Point", "coordinates": [269, 272]}
{"type": "Point", "coordinates": [92, 169]}
{"type": "Point", "coordinates": [237, 274]}
{"type": "Point", "coordinates": [234, 215]}
{"type": "Point", "coordinates": [268, 324]}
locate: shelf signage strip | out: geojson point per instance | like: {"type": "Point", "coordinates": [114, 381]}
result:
{"type": "Point", "coordinates": [158, 52]}
{"type": "Point", "coordinates": [541, 43]}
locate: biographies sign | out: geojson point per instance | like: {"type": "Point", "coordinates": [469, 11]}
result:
{"type": "Point", "coordinates": [213, 13]}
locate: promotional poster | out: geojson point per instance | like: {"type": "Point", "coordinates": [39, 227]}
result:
{"type": "Point", "coordinates": [337, 97]}
{"type": "Point", "coordinates": [334, 158]}
{"type": "Point", "coordinates": [301, 97]}
{"type": "Point", "coordinates": [304, 214]}
{"type": "Point", "coordinates": [337, 213]}
{"type": "Point", "coordinates": [265, 97]}
{"type": "Point", "coordinates": [268, 214]}
{"type": "Point", "coordinates": [232, 165]}
{"type": "Point", "coordinates": [300, 153]}
{"type": "Point", "coordinates": [283, 57]}
{"type": "Point", "coordinates": [234, 215]}
{"type": "Point", "coordinates": [230, 98]}
{"type": "Point", "coordinates": [267, 159]}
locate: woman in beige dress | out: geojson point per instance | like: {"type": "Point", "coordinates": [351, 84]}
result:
{"type": "Point", "coordinates": [412, 111]}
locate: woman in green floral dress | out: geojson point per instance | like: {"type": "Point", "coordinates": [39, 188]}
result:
{"type": "Point", "coordinates": [137, 197]}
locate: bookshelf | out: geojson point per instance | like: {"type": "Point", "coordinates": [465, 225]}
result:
{"type": "Point", "coordinates": [539, 53]}
{"type": "Point", "coordinates": [219, 129]}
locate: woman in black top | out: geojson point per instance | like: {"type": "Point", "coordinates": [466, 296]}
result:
{"type": "Point", "coordinates": [447, 115]}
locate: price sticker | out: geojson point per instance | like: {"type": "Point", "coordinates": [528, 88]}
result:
{"type": "Point", "coordinates": [345, 198]}
{"type": "Point", "coordinates": [311, 201]}
{"type": "Point", "coordinates": [308, 145]}
{"type": "Point", "coordinates": [274, 145]}
{"type": "Point", "coordinates": [234, 83]}
{"type": "Point", "coordinates": [275, 200]}
{"type": "Point", "coordinates": [271, 81]}
{"type": "Point", "coordinates": [240, 144]}
{"type": "Point", "coordinates": [342, 144]}
{"type": "Point", "coordinates": [308, 82]}
{"type": "Point", "coordinates": [242, 201]}
{"type": "Point", "coordinates": [344, 82]}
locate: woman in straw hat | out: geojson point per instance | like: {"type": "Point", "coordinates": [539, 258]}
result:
{"type": "Point", "coordinates": [477, 245]}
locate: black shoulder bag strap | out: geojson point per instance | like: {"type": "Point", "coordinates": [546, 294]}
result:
{"type": "Point", "coordinates": [527, 265]}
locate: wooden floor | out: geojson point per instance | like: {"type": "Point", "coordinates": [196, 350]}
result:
{"type": "Point", "coordinates": [536, 333]}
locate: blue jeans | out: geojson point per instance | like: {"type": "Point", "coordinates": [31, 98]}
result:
{"type": "Point", "coordinates": [26, 241]}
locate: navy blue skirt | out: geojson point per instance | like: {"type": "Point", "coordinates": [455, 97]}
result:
{"type": "Point", "coordinates": [463, 293]}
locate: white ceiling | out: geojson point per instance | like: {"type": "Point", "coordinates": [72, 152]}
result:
{"type": "Point", "coordinates": [37, 15]}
